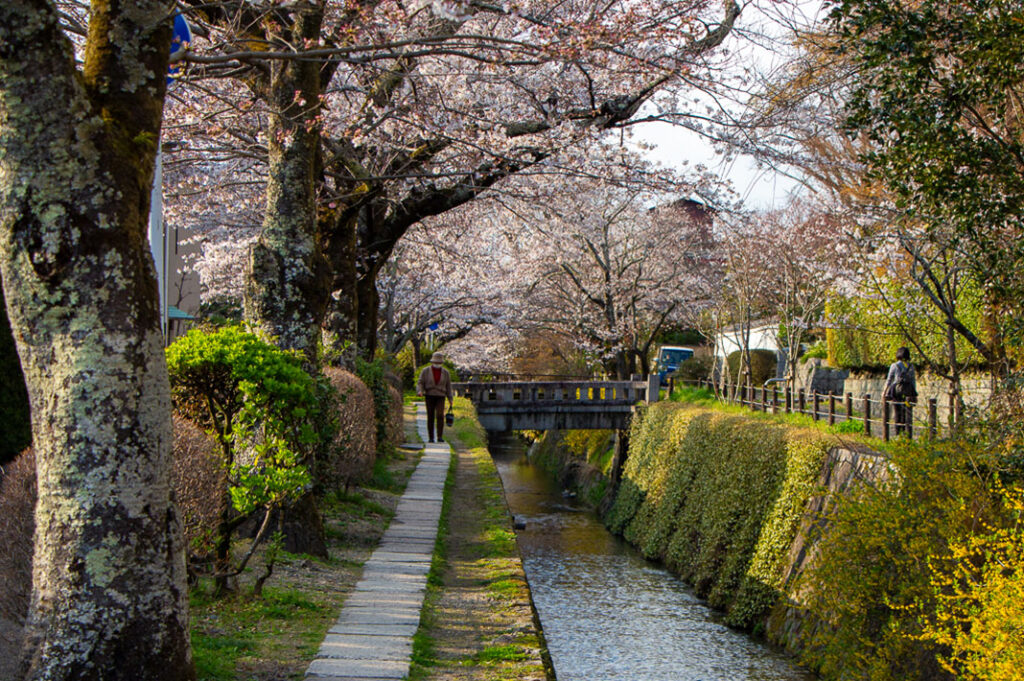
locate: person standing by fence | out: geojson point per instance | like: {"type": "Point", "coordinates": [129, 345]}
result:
{"type": "Point", "coordinates": [435, 384]}
{"type": "Point", "coordinates": [901, 390]}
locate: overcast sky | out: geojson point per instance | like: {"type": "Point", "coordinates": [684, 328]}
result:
{"type": "Point", "coordinates": [760, 188]}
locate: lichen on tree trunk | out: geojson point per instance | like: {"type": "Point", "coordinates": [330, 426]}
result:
{"type": "Point", "coordinates": [285, 287]}
{"type": "Point", "coordinates": [76, 164]}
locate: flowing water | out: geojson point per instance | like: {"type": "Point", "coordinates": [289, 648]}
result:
{"type": "Point", "coordinates": [610, 615]}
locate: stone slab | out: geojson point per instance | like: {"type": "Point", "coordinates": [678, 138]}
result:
{"type": "Point", "coordinates": [351, 628]}
{"type": "Point", "coordinates": [387, 586]}
{"type": "Point", "coordinates": [376, 599]}
{"type": "Point", "coordinates": [364, 647]}
{"type": "Point", "coordinates": [358, 669]}
{"type": "Point", "coordinates": [375, 617]}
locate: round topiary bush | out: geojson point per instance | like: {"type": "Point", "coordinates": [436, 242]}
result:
{"type": "Point", "coordinates": [199, 480]}
{"type": "Point", "coordinates": [763, 364]}
{"type": "Point", "coordinates": [351, 458]}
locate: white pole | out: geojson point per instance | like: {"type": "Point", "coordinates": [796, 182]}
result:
{"type": "Point", "coordinates": [157, 238]}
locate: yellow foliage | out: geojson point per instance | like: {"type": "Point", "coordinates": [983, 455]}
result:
{"type": "Point", "coordinates": [979, 613]}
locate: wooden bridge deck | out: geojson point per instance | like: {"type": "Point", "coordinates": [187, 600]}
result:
{"type": "Point", "coordinates": [557, 405]}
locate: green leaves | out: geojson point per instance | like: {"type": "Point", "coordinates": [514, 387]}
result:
{"type": "Point", "coordinates": [258, 401]}
{"type": "Point", "coordinates": [937, 91]}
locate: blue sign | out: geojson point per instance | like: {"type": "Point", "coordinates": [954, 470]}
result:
{"type": "Point", "coordinates": [434, 326]}
{"type": "Point", "coordinates": [180, 41]}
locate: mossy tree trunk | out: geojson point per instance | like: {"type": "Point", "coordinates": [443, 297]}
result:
{"type": "Point", "coordinates": [287, 287]}
{"type": "Point", "coordinates": [77, 151]}
{"type": "Point", "coordinates": [286, 290]}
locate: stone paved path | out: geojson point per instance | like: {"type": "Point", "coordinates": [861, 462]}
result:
{"type": "Point", "coordinates": [372, 639]}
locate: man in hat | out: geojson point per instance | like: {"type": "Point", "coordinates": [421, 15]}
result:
{"type": "Point", "coordinates": [435, 384]}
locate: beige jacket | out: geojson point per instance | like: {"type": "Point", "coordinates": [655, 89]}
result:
{"type": "Point", "coordinates": [426, 386]}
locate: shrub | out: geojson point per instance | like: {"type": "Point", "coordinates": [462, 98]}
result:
{"type": "Point", "coordinates": [261, 405]}
{"type": "Point", "coordinates": [351, 458]}
{"type": "Point", "coordinates": [870, 584]}
{"type": "Point", "coordinates": [17, 527]}
{"type": "Point", "coordinates": [817, 351]}
{"type": "Point", "coordinates": [695, 369]}
{"type": "Point", "coordinates": [376, 377]}
{"type": "Point", "coordinates": [763, 364]}
{"type": "Point", "coordinates": [979, 587]}
{"type": "Point", "coordinates": [396, 417]}
{"type": "Point", "coordinates": [199, 480]}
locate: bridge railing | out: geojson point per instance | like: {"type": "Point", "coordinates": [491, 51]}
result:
{"type": "Point", "coordinates": [558, 392]}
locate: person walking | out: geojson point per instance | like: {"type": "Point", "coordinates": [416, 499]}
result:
{"type": "Point", "coordinates": [901, 390]}
{"type": "Point", "coordinates": [435, 384]}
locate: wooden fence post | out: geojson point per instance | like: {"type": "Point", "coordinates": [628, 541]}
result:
{"type": "Point", "coordinates": [867, 415]}
{"type": "Point", "coordinates": [775, 400]}
{"type": "Point", "coordinates": [885, 418]}
{"type": "Point", "coordinates": [802, 401]}
{"type": "Point", "coordinates": [910, 421]}
{"type": "Point", "coordinates": [789, 399]}
{"type": "Point", "coordinates": [831, 409]}
{"type": "Point", "coordinates": [933, 418]}
{"type": "Point", "coordinates": [816, 402]}
{"type": "Point", "coordinates": [849, 406]}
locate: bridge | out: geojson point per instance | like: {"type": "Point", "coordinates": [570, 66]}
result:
{"type": "Point", "coordinates": [557, 405]}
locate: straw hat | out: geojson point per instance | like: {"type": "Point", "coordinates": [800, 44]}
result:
{"type": "Point", "coordinates": [437, 358]}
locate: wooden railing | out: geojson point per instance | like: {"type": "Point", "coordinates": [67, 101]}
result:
{"type": "Point", "coordinates": [876, 415]}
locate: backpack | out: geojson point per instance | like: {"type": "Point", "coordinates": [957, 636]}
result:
{"type": "Point", "coordinates": [902, 388]}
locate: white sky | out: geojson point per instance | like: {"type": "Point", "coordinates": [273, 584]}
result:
{"type": "Point", "coordinates": [759, 188]}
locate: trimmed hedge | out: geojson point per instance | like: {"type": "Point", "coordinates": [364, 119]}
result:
{"type": "Point", "coordinates": [718, 497]}
{"type": "Point", "coordinates": [763, 364]}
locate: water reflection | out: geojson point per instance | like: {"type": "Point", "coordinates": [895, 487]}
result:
{"type": "Point", "coordinates": [610, 615]}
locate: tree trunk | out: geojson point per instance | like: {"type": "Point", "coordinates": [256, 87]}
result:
{"type": "Point", "coordinates": [339, 326]}
{"type": "Point", "coordinates": [287, 282]}
{"type": "Point", "coordinates": [285, 287]}
{"type": "Point", "coordinates": [77, 152]}
{"type": "Point", "coordinates": [369, 302]}
{"type": "Point", "coordinates": [16, 434]}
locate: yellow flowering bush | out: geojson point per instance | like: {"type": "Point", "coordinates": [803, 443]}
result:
{"type": "Point", "coordinates": [979, 599]}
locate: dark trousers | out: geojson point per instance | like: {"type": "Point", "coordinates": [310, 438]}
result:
{"type": "Point", "coordinates": [435, 415]}
{"type": "Point", "coordinates": [901, 417]}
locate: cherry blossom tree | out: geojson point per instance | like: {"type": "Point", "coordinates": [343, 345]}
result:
{"type": "Point", "coordinates": [420, 108]}
{"type": "Point", "coordinates": [77, 148]}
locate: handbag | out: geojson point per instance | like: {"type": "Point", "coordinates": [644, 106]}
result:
{"type": "Point", "coordinates": [449, 418]}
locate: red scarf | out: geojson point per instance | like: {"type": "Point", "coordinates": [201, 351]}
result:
{"type": "Point", "coordinates": [437, 374]}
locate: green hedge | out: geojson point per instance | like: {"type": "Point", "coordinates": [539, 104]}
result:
{"type": "Point", "coordinates": [763, 365]}
{"type": "Point", "coordinates": [718, 498]}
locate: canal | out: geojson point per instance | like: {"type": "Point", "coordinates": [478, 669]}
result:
{"type": "Point", "coordinates": [610, 615]}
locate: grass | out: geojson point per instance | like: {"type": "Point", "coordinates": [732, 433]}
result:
{"type": "Point", "coordinates": [424, 650]}
{"type": "Point", "coordinates": [850, 430]}
{"type": "Point", "coordinates": [229, 631]}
